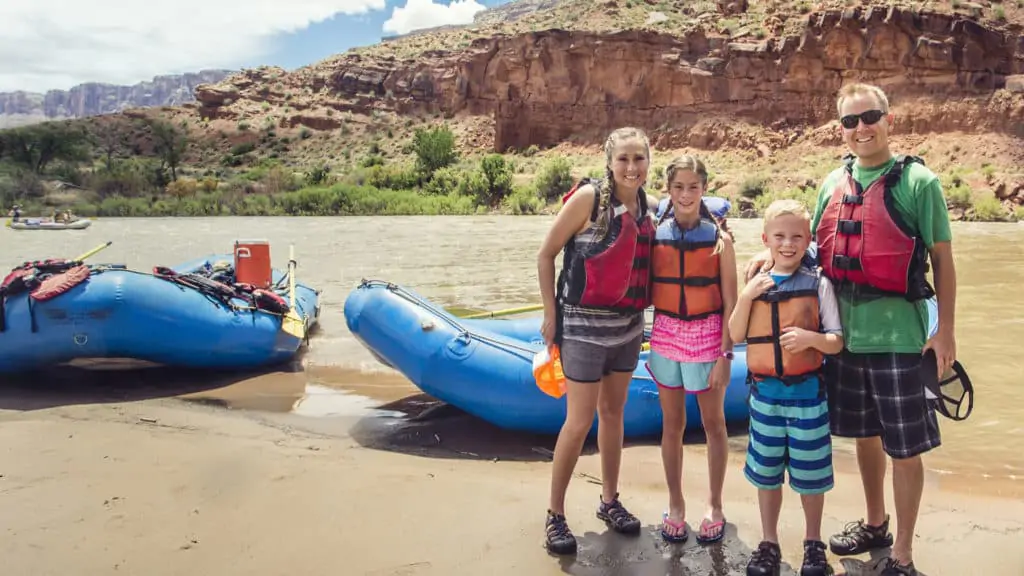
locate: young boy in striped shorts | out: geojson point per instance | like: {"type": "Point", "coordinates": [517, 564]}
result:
{"type": "Point", "coordinates": [790, 319]}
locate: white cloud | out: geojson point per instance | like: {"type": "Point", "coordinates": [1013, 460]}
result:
{"type": "Point", "coordinates": [417, 14]}
{"type": "Point", "coordinates": [47, 44]}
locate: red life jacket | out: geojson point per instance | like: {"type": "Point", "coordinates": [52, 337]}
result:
{"type": "Point", "coordinates": [863, 240]}
{"type": "Point", "coordinates": [270, 301]}
{"type": "Point", "coordinates": [613, 272]}
{"type": "Point", "coordinates": [60, 283]}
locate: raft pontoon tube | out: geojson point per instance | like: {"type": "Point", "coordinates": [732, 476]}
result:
{"type": "Point", "coordinates": [121, 313]}
{"type": "Point", "coordinates": [484, 367]}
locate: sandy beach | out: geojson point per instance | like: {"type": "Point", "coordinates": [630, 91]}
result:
{"type": "Point", "coordinates": [164, 486]}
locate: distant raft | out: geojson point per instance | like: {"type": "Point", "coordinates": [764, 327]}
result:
{"type": "Point", "coordinates": [38, 224]}
{"type": "Point", "coordinates": [484, 367]}
{"type": "Point", "coordinates": [193, 315]}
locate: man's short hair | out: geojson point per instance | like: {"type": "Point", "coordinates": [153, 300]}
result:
{"type": "Point", "coordinates": [858, 89]}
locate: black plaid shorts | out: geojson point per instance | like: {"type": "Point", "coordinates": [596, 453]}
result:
{"type": "Point", "coordinates": [881, 395]}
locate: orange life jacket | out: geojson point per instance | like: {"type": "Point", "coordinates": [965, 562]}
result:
{"type": "Point", "coordinates": [687, 273]}
{"type": "Point", "coordinates": [794, 302]}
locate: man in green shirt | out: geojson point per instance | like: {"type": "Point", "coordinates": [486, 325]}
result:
{"type": "Point", "coordinates": [876, 390]}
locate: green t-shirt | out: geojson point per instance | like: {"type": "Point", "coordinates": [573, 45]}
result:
{"type": "Point", "coordinates": [891, 324]}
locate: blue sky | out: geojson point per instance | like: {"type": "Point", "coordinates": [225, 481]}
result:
{"type": "Point", "coordinates": [334, 36]}
{"type": "Point", "coordinates": [56, 44]}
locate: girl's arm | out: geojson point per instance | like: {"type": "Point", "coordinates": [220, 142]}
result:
{"type": "Point", "coordinates": [571, 219]}
{"type": "Point", "coordinates": [729, 289]}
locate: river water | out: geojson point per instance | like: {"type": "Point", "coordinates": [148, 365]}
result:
{"type": "Point", "coordinates": [488, 262]}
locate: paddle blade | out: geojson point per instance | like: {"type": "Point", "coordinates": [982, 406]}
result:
{"type": "Point", "coordinates": [290, 322]}
{"type": "Point", "coordinates": [293, 325]}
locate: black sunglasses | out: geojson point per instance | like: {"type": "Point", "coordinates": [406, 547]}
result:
{"type": "Point", "coordinates": [869, 117]}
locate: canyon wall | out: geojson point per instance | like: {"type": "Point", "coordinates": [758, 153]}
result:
{"type": "Point", "coordinates": [942, 72]}
{"type": "Point", "coordinates": [91, 99]}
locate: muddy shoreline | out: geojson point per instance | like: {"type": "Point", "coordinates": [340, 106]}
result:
{"type": "Point", "coordinates": [137, 483]}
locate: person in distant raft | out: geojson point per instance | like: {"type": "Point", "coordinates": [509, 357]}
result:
{"type": "Point", "coordinates": [693, 292]}
{"type": "Point", "coordinates": [596, 316]}
{"type": "Point", "coordinates": [878, 219]}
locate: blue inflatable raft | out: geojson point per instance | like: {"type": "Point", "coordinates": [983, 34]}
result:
{"type": "Point", "coordinates": [484, 366]}
{"type": "Point", "coordinates": [120, 313]}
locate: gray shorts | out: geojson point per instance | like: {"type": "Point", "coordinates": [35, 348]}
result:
{"type": "Point", "coordinates": [586, 362]}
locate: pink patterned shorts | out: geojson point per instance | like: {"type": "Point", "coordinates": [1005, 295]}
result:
{"type": "Point", "coordinates": [687, 340]}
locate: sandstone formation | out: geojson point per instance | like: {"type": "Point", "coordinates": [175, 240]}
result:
{"type": "Point", "coordinates": [942, 71]}
{"type": "Point", "coordinates": [93, 98]}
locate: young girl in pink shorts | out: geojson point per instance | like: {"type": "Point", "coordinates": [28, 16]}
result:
{"type": "Point", "coordinates": [694, 287]}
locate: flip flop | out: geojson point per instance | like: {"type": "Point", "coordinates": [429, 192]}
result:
{"type": "Point", "coordinates": [706, 527]}
{"type": "Point", "coordinates": [674, 538]}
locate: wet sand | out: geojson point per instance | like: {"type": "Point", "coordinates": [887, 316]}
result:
{"type": "Point", "coordinates": [127, 482]}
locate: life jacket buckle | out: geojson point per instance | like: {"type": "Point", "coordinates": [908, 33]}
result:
{"type": "Point", "coordinates": [845, 262]}
{"type": "Point", "coordinates": [850, 227]}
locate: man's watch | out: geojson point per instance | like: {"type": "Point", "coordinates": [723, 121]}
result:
{"type": "Point", "coordinates": [728, 355]}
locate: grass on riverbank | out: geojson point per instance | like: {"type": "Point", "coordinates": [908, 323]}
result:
{"type": "Point", "coordinates": [432, 179]}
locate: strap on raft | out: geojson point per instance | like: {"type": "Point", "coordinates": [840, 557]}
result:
{"type": "Point", "coordinates": [223, 292]}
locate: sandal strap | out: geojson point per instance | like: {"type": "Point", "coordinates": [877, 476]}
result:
{"type": "Point", "coordinates": [616, 510]}
{"type": "Point", "coordinates": [859, 532]}
{"type": "Point", "coordinates": [766, 552]}
{"type": "Point", "coordinates": [556, 526]}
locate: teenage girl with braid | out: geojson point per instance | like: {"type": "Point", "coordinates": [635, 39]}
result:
{"type": "Point", "coordinates": [596, 316]}
{"type": "Point", "coordinates": [693, 289]}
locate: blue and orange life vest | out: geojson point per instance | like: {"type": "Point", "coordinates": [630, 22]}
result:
{"type": "Point", "coordinates": [687, 273]}
{"type": "Point", "coordinates": [792, 303]}
{"type": "Point", "coordinates": [864, 241]}
{"type": "Point", "coordinates": [613, 272]}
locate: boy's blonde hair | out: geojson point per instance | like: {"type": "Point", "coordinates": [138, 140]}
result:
{"type": "Point", "coordinates": [787, 207]}
{"type": "Point", "coordinates": [859, 89]}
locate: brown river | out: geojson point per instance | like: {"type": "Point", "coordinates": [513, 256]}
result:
{"type": "Point", "coordinates": [486, 262]}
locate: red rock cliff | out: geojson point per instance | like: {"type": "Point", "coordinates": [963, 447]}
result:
{"type": "Point", "coordinates": [545, 87]}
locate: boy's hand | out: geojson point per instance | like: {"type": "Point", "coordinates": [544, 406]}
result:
{"type": "Point", "coordinates": [757, 285]}
{"type": "Point", "coordinates": [795, 339]}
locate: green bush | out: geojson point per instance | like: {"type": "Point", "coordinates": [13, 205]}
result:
{"type": "Point", "coordinates": [434, 148]}
{"type": "Point", "coordinates": [498, 175]}
{"type": "Point", "coordinates": [554, 178]}
{"type": "Point", "coordinates": [754, 187]}
{"type": "Point", "coordinates": [523, 200]}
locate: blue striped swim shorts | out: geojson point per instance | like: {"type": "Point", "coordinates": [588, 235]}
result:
{"type": "Point", "coordinates": [789, 435]}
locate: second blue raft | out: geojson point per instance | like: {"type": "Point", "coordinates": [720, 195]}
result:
{"type": "Point", "coordinates": [119, 313]}
{"type": "Point", "coordinates": [484, 366]}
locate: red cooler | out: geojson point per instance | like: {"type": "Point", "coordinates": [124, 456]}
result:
{"type": "Point", "coordinates": [252, 263]}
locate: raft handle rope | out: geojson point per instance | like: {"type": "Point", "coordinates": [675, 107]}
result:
{"type": "Point", "coordinates": [464, 333]}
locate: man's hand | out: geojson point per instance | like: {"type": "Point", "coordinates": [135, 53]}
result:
{"type": "Point", "coordinates": [760, 262]}
{"type": "Point", "coordinates": [944, 345]}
